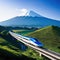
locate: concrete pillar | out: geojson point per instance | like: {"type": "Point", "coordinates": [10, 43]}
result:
{"type": "Point", "coordinates": [40, 54]}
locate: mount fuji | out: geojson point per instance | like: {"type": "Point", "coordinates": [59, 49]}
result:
{"type": "Point", "coordinates": [32, 19]}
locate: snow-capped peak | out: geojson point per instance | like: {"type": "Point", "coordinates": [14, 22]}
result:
{"type": "Point", "coordinates": [32, 13]}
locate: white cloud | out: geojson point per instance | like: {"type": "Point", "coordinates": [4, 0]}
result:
{"type": "Point", "coordinates": [22, 12]}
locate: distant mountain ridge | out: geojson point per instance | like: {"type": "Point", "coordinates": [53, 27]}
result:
{"type": "Point", "coordinates": [31, 20]}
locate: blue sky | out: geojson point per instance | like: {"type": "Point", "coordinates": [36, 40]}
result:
{"type": "Point", "coordinates": [46, 8]}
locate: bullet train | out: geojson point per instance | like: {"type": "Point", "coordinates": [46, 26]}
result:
{"type": "Point", "coordinates": [29, 40]}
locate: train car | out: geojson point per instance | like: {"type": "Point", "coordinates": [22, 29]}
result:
{"type": "Point", "coordinates": [38, 43]}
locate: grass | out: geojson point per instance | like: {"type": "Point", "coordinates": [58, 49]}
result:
{"type": "Point", "coordinates": [23, 31]}
{"type": "Point", "coordinates": [5, 45]}
{"type": "Point", "coordinates": [49, 36]}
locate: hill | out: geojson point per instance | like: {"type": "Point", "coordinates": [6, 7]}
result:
{"type": "Point", "coordinates": [32, 20]}
{"type": "Point", "coordinates": [2, 28]}
{"type": "Point", "coordinates": [11, 49]}
{"type": "Point", "coordinates": [49, 36]}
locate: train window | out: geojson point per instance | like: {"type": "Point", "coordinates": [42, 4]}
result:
{"type": "Point", "coordinates": [35, 39]}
